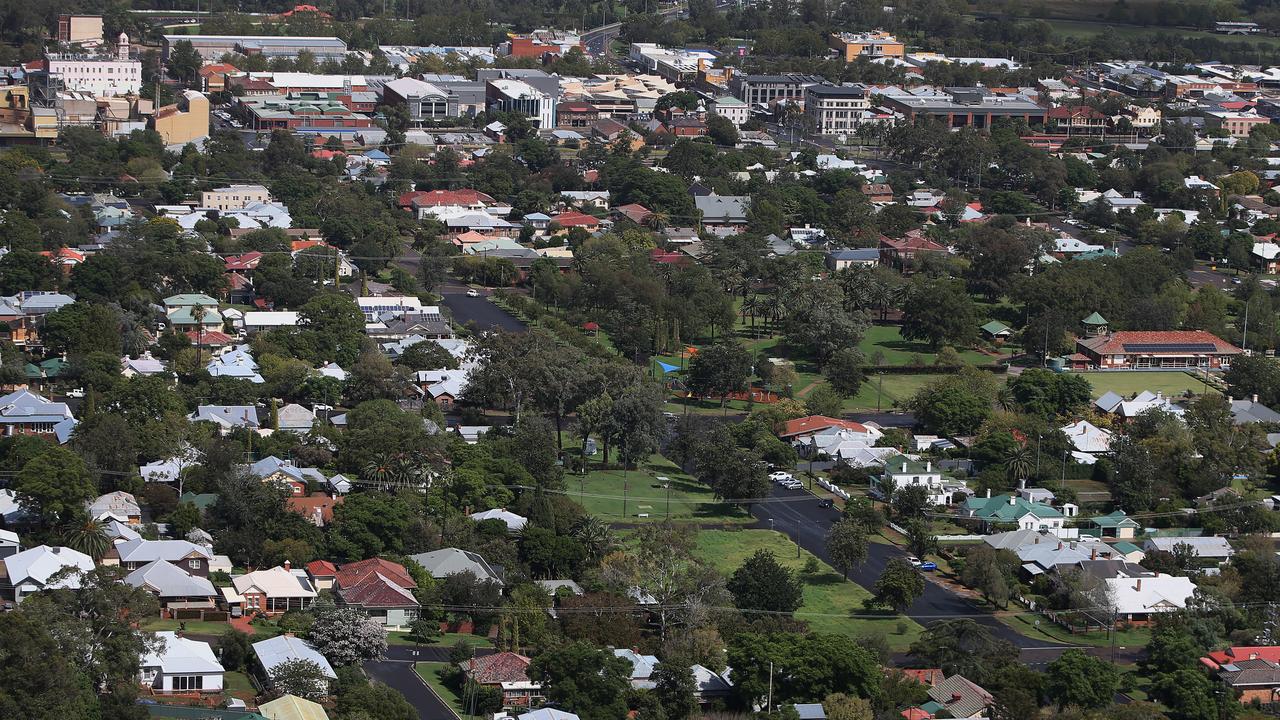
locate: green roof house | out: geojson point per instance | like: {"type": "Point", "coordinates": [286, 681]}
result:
{"type": "Point", "coordinates": [901, 471]}
{"type": "Point", "coordinates": [1004, 510]}
{"type": "Point", "coordinates": [189, 300]}
{"type": "Point", "coordinates": [996, 330]}
{"type": "Point", "coordinates": [183, 318]}
{"type": "Point", "coordinates": [1116, 524]}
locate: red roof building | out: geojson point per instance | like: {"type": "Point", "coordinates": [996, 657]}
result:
{"type": "Point", "coordinates": [1131, 349]}
{"type": "Point", "coordinates": [322, 568]}
{"type": "Point", "coordinates": [317, 508]}
{"type": "Point", "coordinates": [901, 253]}
{"type": "Point", "coordinates": [1215, 660]}
{"type": "Point", "coordinates": [635, 212]}
{"type": "Point", "coordinates": [509, 672]}
{"type": "Point", "coordinates": [814, 424]}
{"type": "Point", "coordinates": [352, 574]}
{"type": "Point", "coordinates": [576, 219]}
{"type": "Point", "coordinates": [243, 263]}
{"type": "Point", "coordinates": [436, 198]}
{"type": "Point", "coordinates": [210, 338]}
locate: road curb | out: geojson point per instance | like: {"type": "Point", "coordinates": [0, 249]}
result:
{"type": "Point", "coordinates": [429, 689]}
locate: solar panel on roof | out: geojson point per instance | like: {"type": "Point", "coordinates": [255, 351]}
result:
{"type": "Point", "coordinates": [1170, 347]}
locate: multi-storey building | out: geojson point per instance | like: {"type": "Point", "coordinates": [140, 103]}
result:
{"type": "Point", "coordinates": [870, 45]}
{"type": "Point", "coordinates": [835, 109]}
{"type": "Point", "coordinates": [757, 90]}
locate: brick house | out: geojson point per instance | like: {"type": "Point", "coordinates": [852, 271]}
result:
{"type": "Point", "coordinates": [508, 672]}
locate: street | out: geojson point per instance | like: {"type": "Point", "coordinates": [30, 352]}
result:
{"type": "Point", "coordinates": [396, 670]}
{"type": "Point", "coordinates": [477, 312]}
{"type": "Point", "coordinates": [807, 525]}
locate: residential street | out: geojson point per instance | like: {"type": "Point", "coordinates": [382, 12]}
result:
{"type": "Point", "coordinates": [477, 311]}
{"type": "Point", "coordinates": [399, 674]}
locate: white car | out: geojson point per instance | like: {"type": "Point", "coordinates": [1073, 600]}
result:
{"type": "Point", "coordinates": [75, 393]}
{"type": "Point", "coordinates": [780, 476]}
{"type": "Point", "coordinates": [915, 561]}
{"type": "Point", "coordinates": [472, 292]}
{"type": "Point", "coordinates": [792, 484]}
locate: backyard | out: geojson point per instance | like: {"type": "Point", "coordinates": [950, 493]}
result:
{"type": "Point", "coordinates": [829, 599]}
{"type": "Point", "coordinates": [602, 493]}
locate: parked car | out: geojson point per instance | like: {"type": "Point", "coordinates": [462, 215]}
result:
{"type": "Point", "coordinates": [472, 292]}
{"type": "Point", "coordinates": [780, 476]}
{"type": "Point", "coordinates": [75, 393]}
{"type": "Point", "coordinates": [915, 561]}
{"type": "Point", "coordinates": [792, 484]}
{"type": "Point", "coordinates": [826, 503]}
{"type": "Point", "coordinates": [928, 566]}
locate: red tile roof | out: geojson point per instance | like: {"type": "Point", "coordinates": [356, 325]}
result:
{"type": "Point", "coordinates": [307, 506]}
{"type": "Point", "coordinates": [635, 212]}
{"type": "Point", "coordinates": [351, 574]}
{"type": "Point", "coordinates": [912, 241]}
{"type": "Point", "coordinates": [817, 423]}
{"type": "Point", "coordinates": [216, 69]}
{"type": "Point", "coordinates": [322, 568]}
{"type": "Point", "coordinates": [916, 713]}
{"type": "Point", "coordinates": [1113, 344]}
{"type": "Point", "coordinates": [247, 261]}
{"type": "Point", "coordinates": [377, 590]}
{"type": "Point", "coordinates": [575, 219]}
{"type": "Point", "coordinates": [1270, 653]}
{"type": "Point", "coordinates": [300, 245]}
{"type": "Point", "coordinates": [499, 668]}
{"type": "Point", "coordinates": [925, 676]}
{"type": "Point", "coordinates": [210, 338]}
{"type": "Point", "coordinates": [433, 198]}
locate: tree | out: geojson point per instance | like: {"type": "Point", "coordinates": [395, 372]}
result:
{"type": "Point", "coordinates": [583, 679]}
{"type": "Point", "coordinates": [1255, 375]}
{"type": "Point", "coordinates": [920, 538]}
{"type": "Point", "coordinates": [369, 524]}
{"type": "Point", "coordinates": [955, 404]}
{"type": "Point", "coordinates": [898, 586]}
{"type": "Point", "coordinates": [347, 636]}
{"type": "Point", "coordinates": [939, 312]}
{"type": "Point", "coordinates": [720, 370]}
{"type": "Point", "coordinates": [847, 545]}
{"type": "Point", "coordinates": [1190, 695]}
{"type": "Point", "coordinates": [844, 371]}
{"type": "Point", "coordinates": [301, 677]}
{"type": "Point", "coordinates": [676, 689]}
{"type": "Point", "coordinates": [233, 649]}
{"type": "Point", "coordinates": [373, 700]}
{"type": "Point", "coordinates": [962, 647]}
{"type": "Point", "coordinates": [184, 61]}
{"type": "Point", "coordinates": [88, 537]}
{"type": "Point", "coordinates": [825, 400]}
{"type": "Point", "coordinates": [817, 665]}
{"type": "Point", "coordinates": [762, 583]}
{"type": "Point", "coordinates": [721, 130]}
{"type": "Point", "coordinates": [1081, 680]}
{"type": "Point", "coordinates": [54, 486]}
{"type": "Point", "coordinates": [990, 572]}
{"type": "Point", "coordinates": [1046, 393]}
{"type": "Point", "coordinates": [39, 679]}
{"type": "Point", "coordinates": [839, 706]}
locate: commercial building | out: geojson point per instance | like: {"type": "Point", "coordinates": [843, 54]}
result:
{"type": "Point", "coordinates": [966, 107]}
{"type": "Point", "coordinates": [80, 29]}
{"type": "Point", "coordinates": [730, 108]}
{"type": "Point", "coordinates": [757, 90]}
{"type": "Point", "coordinates": [184, 121]}
{"type": "Point", "coordinates": [234, 197]}
{"type": "Point", "coordinates": [675, 65]}
{"type": "Point", "coordinates": [1127, 350]}
{"type": "Point", "coordinates": [520, 97]}
{"type": "Point", "coordinates": [213, 47]}
{"type": "Point", "coordinates": [299, 112]}
{"type": "Point", "coordinates": [429, 101]}
{"type": "Point", "coordinates": [835, 109]}
{"type": "Point", "coordinates": [870, 45]}
{"type": "Point", "coordinates": [103, 74]}
{"type": "Point", "coordinates": [1237, 124]}
{"type": "Point", "coordinates": [539, 43]}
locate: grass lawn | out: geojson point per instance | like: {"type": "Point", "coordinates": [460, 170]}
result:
{"type": "Point", "coordinates": [445, 640]}
{"type": "Point", "coordinates": [1129, 383]}
{"type": "Point", "coordinates": [239, 685]}
{"type": "Point", "coordinates": [888, 341]}
{"type": "Point", "coordinates": [828, 598]}
{"type": "Point", "coordinates": [430, 673]}
{"type": "Point", "coordinates": [888, 389]}
{"type": "Point", "coordinates": [601, 493]}
{"type": "Point", "coordinates": [1052, 632]}
{"type": "Point", "coordinates": [192, 627]}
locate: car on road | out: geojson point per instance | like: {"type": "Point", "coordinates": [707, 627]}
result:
{"type": "Point", "coordinates": [780, 476]}
{"type": "Point", "coordinates": [915, 561]}
{"type": "Point", "coordinates": [826, 503]}
{"type": "Point", "coordinates": [792, 484]}
{"type": "Point", "coordinates": [75, 393]}
{"type": "Point", "coordinates": [472, 292]}
{"type": "Point", "coordinates": [928, 566]}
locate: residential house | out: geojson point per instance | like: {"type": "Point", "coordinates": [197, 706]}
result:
{"type": "Point", "coordinates": [317, 507]}
{"type": "Point", "coordinates": [1013, 510]}
{"type": "Point", "coordinates": [958, 697]}
{"type": "Point", "coordinates": [117, 505]}
{"type": "Point", "coordinates": [1135, 600]}
{"type": "Point", "coordinates": [295, 418]}
{"type": "Point", "coordinates": [508, 673]}
{"type": "Point", "coordinates": [270, 592]}
{"type": "Point", "coordinates": [1046, 553]}
{"type": "Point", "coordinates": [642, 667]}
{"type": "Point", "coordinates": [1250, 410]}
{"type": "Point", "coordinates": [878, 193]}
{"type": "Point", "coordinates": [451, 561]}
{"type": "Point", "coordinates": [281, 649]}
{"type": "Point", "coordinates": [227, 417]}
{"type": "Point", "coordinates": [901, 472]}
{"type": "Point", "coordinates": [996, 331]}
{"type": "Point", "coordinates": [1088, 439]}
{"type": "Point", "coordinates": [1116, 525]}
{"type": "Point", "coordinates": [801, 429]}
{"type": "Point", "coordinates": [133, 554]}
{"type": "Point", "coordinates": [282, 472]}
{"type": "Point", "coordinates": [1267, 256]}
{"type": "Point", "coordinates": [9, 544]}
{"type": "Point", "coordinates": [323, 574]}
{"type": "Point", "coordinates": [292, 707]}
{"type": "Point", "coordinates": [1211, 548]}
{"type": "Point", "coordinates": [586, 199]}
{"type": "Point", "coordinates": [144, 365]}
{"type": "Point", "coordinates": [381, 588]}
{"type": "Point", "coordinates": [515, 523]}
{"type": "Point", "coordinates": [176, 588]}
{"type": "Point", "coordinates": [723, 214]}
{"type": "Point", "coordinates": [1252, 671]}
{"type": "Point", "coordinates": [904, 253]}
{"type": "Point", "coordinates": [854, 257]}
{"type": "Point", "coordinates": [31, 571]}
{"type": "Point", "coordinates": [237, 363]}
{"type": "Point", "coordinates": [23, 412]}
{"type": "Point", "coordinates": [180, 665]}
{"type": "Point", "coordinates": [1145, 401]}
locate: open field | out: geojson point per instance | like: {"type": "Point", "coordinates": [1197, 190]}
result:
{"type": "Point", "coordinates": [888, 341]}
{"type": "Point", "coordinates": [601, 492]}
{"type": "Point", "coordinates": [1173, 382]}
{"type": "Point", "coordinates": [889, 389]}
{"type": "Point", "coordinates": [828, 598]}
{"type": "Point", "coordinates": [1091, 28]}
{"type": "Point", "coordinates": [1036, 626]}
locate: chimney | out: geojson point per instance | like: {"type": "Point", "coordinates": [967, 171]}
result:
{"type": "Point", "coordinates": [287, 564]}
{"type": "Point", "coordinates": [1059, 544]}
{"type": "Point", "coordinates": [1254, 397]}
{"type": "Point", "coordinates": [988, 493]}
{"type": "Point", "coordinates": [1013, 500]}
{"type": "Point", "coordinates": [1037, 540]}
{"type": "Point", "coordinates": [928, 466]}
{"type": "Point", "coordinates": [1138, 584]}
{"type": "Point", "coordinates": [1022, 484]}
{"type": "Point", "coordinates": [1093, 554]}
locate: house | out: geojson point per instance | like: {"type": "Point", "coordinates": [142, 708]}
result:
{"type": "Point", "coordinates": [1267, 256]}
{"type": "Point", "coordinates": [1250, 410]}
{"type": "Point", "coordinates": [144, 365]}
{"type": "Point", "coordinates": [9, 544]}
{"type": "Point", "coordinates": [1253, 672]}
{"type": "Point", "coordinates": [855, 257]}
{"type": "Point", "coordinates": [801, 428]}
{"type": "Point", "coordinates": [292, 707]}
{"type": "Point", "coordinates": [723, 214]}
{"type": "Point", "coordinates": [381, 588]}
{"type": "Point", "coordinates": [317, 507]}
{"type": "Point", "coordinates": [878, 193]}
{"type": "Point", "coordinates": [996, 331]}
{"type": "Point", "coordinates": [180, 665]}
{"type": "Point", "coordinates": [283, 648]}
{"type": "Point", "coordinates": [23, 412]}
{"type": "Point", "coordinates": [515, 523]}
{"type": "Point", "coordinates": [1046, 553]}
{"type": "Point", "coordinates": [450, 561]}
{"type": "Point", "coordinates": [901, 471]}
{"type": "Point", "coordinates": [709, 686]}
{"type": "Point", "coordinates": [508, 673]}
{"type": "Point", "coordinates": [642, 667]}
{"type": "Point", "coordinates": [133, 554]}
{"type": "Point", "coordinates": [295, 418]}
{"type": "Point", "coordinates": [176, 588]}
{"type": "Point", "coordinates": [272, 469]}
{"type": "Point", "coordinates": [959, 698]}
{"type": "Point", "coordinates": [904, 253]}
{"type": "Point", "coordinates": [227, 417]}
{"type": "Point", "coordinates": [270, 592]}
{"type": "Point", "coordinates": [1135, 600]}
{"type": "Point", "coordinates": [117, 505]}
{"type": "Point", "coordinates": [1130, 349]}
{"type": "Point", "coordinates": [323, 574]}
{"type": "Point", "coordinates": [236, 363]}
{"type": "Point", "coordinates": [1011, 509]}
{"type": "Point", "coordinates": [1145, 401]}
{"type": "Point", "coordinates": [31, 571]}
{"type": "Point", "coordinates": [1212, 548]}
{"type": "Point", "coordinates": [1115, 525]}
{"type": "Point", "coordinates": [1088, 439]}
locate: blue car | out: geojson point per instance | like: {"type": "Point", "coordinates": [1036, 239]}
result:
{"type": "Point", "coordinates": [928, 565]}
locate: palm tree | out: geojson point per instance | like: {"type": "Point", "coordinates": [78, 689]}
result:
{"type": "Point", "coordinates": [384, 470]}
{"type": "Point", "coordinates": [1005, 399]}
{"type": "Point", "coordinates": [595, 536]}
{"type": "Point", "coordinates": [88, 537]}
{"type": "Point", "coordinates": [1019, 462]}
{"type": "Point", "coordinates": [657, 220]}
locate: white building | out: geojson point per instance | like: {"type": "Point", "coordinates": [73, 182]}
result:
{"type": "Point", "coordinates": [504, 95]}
{"type": "Point", "coordinates": [31, 571]}
{"type": "Point", "coordinates": [181, 665]}
{"type": "Point", "coordinates": [730, 108]}
{"type": "Point", "coordinates": [234, 197]}
{"type": "Point", "coordinates": [835, 109]}
{"type": "Point", "coordinates": [102, 75]}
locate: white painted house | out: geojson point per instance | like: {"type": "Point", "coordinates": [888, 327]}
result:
{"type": "Point", "coordinates": [181, 665]}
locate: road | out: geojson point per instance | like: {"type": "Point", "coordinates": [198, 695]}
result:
{"type": "Point", "coordinates": [807, 525]}
{"type": "Point", "coordinates": [477, 311]}
{"type": "Point", "coordinates": [396, 670]}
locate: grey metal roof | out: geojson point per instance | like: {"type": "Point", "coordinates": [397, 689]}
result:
{"type": "Point", "coordinates": [284, 648]}
{"type": "Point", "coordinates": [168, 580]}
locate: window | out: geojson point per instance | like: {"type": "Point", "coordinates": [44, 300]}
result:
{"type": "Point", "coordinates": [186, 682]}
{"type": "Point", "coordinates": [194, 564]}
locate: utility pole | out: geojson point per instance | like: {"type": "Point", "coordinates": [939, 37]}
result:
{"type": "Point", "coordinates": [769, 703]}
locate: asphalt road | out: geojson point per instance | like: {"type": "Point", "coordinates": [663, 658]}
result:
{"type": "Point", "coordinates": [807, 525]}
{"type": "Point", "coordinates": [477, 311]}
{"type": "Point", "coordinates": [400, 675]}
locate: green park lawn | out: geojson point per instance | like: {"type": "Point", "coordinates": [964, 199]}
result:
{"type": "Point", "coordinates": [444, 640]}
{"type": "Point", "coordinates": [829, 599]}
{"type": "Point", "coordinates": [1042, 628]}
{"type": "Point", "coordinates": [1129, 383]}
{"type": "Point", "coordinates": [601, 492]}
{"type": "Point", "coordinates": [237, 684]}
{"type": "Point", "coordinates": [430, 674]}
{"type": "Point", "coordinates": [888, 389]}
{"type": "Point", "coordinates": [888, 341]}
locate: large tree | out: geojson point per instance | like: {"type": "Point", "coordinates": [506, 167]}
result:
{"type": "Point", "coordinates": [940, 312]}
{"type": "Point", "coordinates": [347, 635]}
{"type": "Point", "coordinates": [898, 586]}
{"type": "Point", "coordinates": [719, 370]}
{"type": "Point", "coordinates": [763, 583]}
{"type": "Point", "coordinates": [1081, 680]}
{"type": "Point", "coordinates": [584, 679]}
{"type": "Point", "coordinates": [816, 665]}
{"type": "Point", "coordinates": [54, 486]}
{"type": "Point", "coordinates": [847, 545]}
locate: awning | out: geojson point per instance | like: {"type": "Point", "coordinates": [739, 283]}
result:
{"type": "Point", "coordinates": [1032, 569]}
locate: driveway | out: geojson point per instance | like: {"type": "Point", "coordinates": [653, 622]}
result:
{"type": "Point", "coordinates": [807, 524]}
